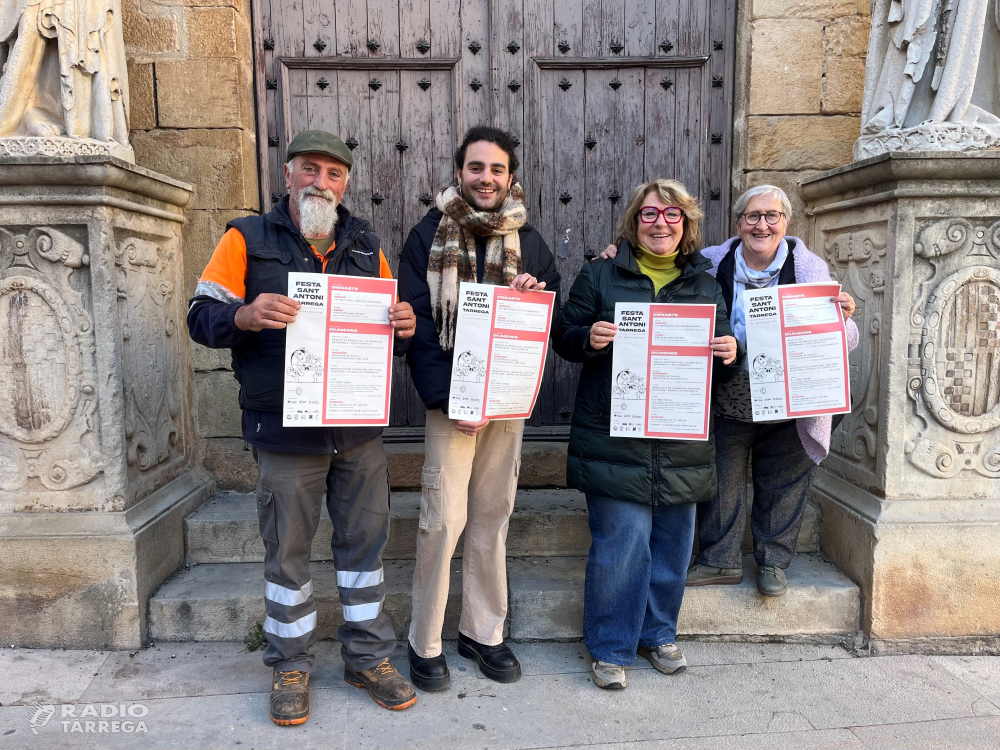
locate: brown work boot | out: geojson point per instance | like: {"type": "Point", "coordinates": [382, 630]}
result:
{"type": "Point", "coordinates": [290, 698]}
{"type": "Point", "coordinates": [385, 685]}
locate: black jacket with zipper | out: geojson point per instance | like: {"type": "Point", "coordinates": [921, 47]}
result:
{"type": "Point", "coordinates": [430, 365]}
{"type": "Point", "coordinates": [635, 469]}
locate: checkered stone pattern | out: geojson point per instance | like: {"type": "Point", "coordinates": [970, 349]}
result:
{"type": "Point", "coordinates": [958, 373]}
{"type": "Point", "coordinates": [960, 365]}
{"type": "Point", "coordinates": [988, 336]}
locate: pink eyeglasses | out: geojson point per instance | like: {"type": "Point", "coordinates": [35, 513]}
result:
{"type": "Point", "coordinates": [671, 214]}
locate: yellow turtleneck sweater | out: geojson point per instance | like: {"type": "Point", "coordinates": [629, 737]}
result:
{"type": "Point", "coordinates": [662, 269]}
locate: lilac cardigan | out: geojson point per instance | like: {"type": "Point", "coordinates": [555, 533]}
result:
{"type": "Point", "coordinates": [814, 432]}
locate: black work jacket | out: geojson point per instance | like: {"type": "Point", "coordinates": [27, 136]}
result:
{"type": "Point", "coordinates": [275, 248]}
{"type": "Point", "coordinates": [636, 469]}
{"type": "Point", "coordinates": [430, 365]}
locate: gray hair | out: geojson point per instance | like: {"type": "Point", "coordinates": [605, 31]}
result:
{"type": "Point", "coordinates": [769, 190]}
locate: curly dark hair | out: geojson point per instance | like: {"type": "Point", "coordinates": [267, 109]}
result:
{"type": "Point", "coordinates": [501, 138]}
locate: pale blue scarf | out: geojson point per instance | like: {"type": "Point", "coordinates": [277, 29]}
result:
{"type": "Point", "coordinates": [744, 278]}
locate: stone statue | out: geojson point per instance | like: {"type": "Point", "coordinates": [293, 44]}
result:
{"type": "Point", "coordinates": [63, 88]}
{"type": "Point", "coordinates": [932, 80]}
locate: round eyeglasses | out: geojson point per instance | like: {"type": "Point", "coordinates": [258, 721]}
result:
{"type": "Point", "coordinates": [671, 214]}
{"type": "Point", "coordinates": [753, 218]}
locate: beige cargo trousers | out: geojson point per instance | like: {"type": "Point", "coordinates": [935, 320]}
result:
{"type": "Point", "coordinates": [468, 483]}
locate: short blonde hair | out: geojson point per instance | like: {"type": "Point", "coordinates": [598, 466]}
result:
{"type": "Point", "coordinates": [672, 193]}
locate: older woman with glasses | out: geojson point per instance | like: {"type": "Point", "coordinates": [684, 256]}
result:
{"type": "Point", "coordinates": [640, 492]}
{"type": "Point", "coordinates": [784, 453]}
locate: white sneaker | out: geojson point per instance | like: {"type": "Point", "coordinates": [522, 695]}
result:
{"type": "Point", "coordinates": [608, 676]}
{"type": "Point", "coordinates": [667, 658]}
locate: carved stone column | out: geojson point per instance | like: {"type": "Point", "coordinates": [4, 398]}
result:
{"type": "Point", "coordinates": [95, 420]}
{"type": "Point", "coordinates": [911, 490]}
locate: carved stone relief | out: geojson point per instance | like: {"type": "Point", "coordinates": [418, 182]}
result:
{"type": "Point", "coordinates": [48, 407]}
{"type": "Point", "coordinates": [954, 363]}
{"type": "Point", "coordinates": [149, 364]}
{"type": "Point", "coordinates": [856, 256]}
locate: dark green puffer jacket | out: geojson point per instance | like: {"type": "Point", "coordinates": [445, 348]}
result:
{"type": "Point", "coordinates": [640, 470]}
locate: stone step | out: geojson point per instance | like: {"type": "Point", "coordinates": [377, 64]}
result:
{"type": "Point", "coordinates": [545, 523]}
{"type": "Point", "coordinates": [222, 602]}
{"type": "Point", "coordinates": [543, 464]}
{"type": "Point", "coordinates": [546, 602]}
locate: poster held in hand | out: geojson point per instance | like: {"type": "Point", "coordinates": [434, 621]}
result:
{"type": "Point", "coordinates": [338, 352]}
{"type": "Point", "coordinates": [796, 352]}
{"type": "Point", "coordinates": [501, 342]}
{"type": "Point", "coordinates": [662, 371]}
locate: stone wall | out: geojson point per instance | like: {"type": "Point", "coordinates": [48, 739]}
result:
{"type": "Point", "coordinates": [799, 92]}
{"type": "Point", "coordinates": [190, 66]}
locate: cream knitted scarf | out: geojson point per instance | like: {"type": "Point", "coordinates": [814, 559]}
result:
{"type": "Point", "coordinates": [453, 252]}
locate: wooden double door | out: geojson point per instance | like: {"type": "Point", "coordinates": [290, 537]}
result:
{"type": "Point", "coordinates": [600, 94]}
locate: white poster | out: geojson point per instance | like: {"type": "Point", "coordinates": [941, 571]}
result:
{"type": "Point", "coordinates": [662, 371]}
{"type": "Point", "coordinates": [501, 342]}
{"type": "Point", "coordinates": [796, 351]}
{"type": "Point", "coordinates": [338, 352]}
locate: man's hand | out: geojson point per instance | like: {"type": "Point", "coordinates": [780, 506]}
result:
{"type": "Point", "coordinates": [526, 281]}
{"type": "Point", "coordinates": [267, 311]}
{"type": "Point", "coordinates": [846, 303]}
{"type": "Point", "coordinates": [602, 333]}
{"type": "Point", "coordinates": [470, 428]}
{"type": "Point", "coordinates": [609, 252]}
{"type": "Point", "coordinates": [724, 347]}
{"type": "Point", "coordinates": [402, 320]}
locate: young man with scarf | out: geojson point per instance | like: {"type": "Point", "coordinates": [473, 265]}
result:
{"type": "Point", "coordinates": [240, 304]}
{"type": "Point", "coordinates": [477, 232]}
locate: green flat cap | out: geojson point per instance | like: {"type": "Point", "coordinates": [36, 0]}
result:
{"type": "Point", "coordinates": [320, 142]}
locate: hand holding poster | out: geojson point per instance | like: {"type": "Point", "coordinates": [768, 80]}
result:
{"type": "Point", "coordinates": [338, 352]}
{"type": "Point", "coordinates": [796, 352]}
{"type": "Point", "coordinates": [501, 341]}
{"type": "Point", "coordinates": [662, 371]}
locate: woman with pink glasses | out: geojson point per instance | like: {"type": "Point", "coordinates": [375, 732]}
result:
{"type": "Point", "coordinates": [640, 493]}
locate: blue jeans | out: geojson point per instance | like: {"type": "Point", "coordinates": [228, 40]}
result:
{"type": "Point", "coordinates": [635, 576]}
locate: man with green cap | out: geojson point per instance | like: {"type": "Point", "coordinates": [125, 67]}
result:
{"type": "Point", "coordinates": [240, 304]}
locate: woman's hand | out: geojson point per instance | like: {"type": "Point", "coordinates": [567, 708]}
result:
{"type": "Point", "coordinates": [846, 303]}
{"type": "Point", "coordinates": [724, 347]}
{"type": "Point", "coordinates": [602, 333]}
{"type": "Point", "coordinates": [526, 281]}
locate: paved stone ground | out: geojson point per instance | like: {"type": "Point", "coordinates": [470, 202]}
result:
{"type": "Point", "coordinates": [732, 697]}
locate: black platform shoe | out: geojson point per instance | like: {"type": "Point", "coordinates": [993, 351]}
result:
{"type": "Point", "coordinates": [429, 674]}
{"type": "Point", "coordinates": [496, 662]}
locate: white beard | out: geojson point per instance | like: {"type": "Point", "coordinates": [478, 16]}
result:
{"type": "Point", "coordinates": [317, 216]}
